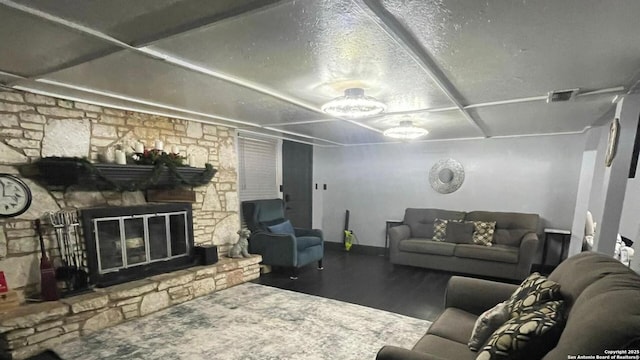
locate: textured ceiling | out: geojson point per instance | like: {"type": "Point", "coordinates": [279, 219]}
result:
{"type": "Point", "coordinates": [461, 69]}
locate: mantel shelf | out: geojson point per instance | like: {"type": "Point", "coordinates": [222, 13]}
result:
{"type": "Point", "coordinates": [65, 172]}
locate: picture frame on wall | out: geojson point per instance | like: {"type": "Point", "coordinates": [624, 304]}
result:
{"type": "Point", "coordinates": [612, 146]}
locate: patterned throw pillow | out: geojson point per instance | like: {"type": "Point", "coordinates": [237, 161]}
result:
{"type": "Point", "coordinates": [528, 336]}
{"type": "Point", "coordinates": [440, 229]}
{"type": "Point", "coordinates": [487, 323]}
{"type": "Point", "coordinates": [483, 232]}
{"type": "Point", "coordinates": [534, 290]}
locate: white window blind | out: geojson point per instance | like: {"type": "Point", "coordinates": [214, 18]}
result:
{"type": "Point", "coordinates": [257, 168]}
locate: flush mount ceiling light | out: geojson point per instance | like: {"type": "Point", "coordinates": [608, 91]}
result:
{"type": "Point", "coordinates": [354, 105]}
{"type": "Point", "coordinates": [406, 131]}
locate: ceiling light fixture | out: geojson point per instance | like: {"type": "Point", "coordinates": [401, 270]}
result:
{"type": "Point", "coordinates": [406, 131]}
{"type": "Point", "coordinates": [354, 105]}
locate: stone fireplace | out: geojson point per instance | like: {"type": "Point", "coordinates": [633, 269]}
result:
{"type": "Point", "coordinates": [34, 126]}
{"type": "Point", "coordinates": [132, 242]}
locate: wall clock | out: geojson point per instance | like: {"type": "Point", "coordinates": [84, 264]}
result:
{"type": "Point", "coordinates": [612, 145]}
{"type": "Point", "coordinates": [15, 196]}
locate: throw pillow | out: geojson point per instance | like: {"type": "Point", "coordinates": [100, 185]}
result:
{"type": "Point", "coordinates": [487, 323]}
{"type": "Point", "coordinates": [534, 290]}
{"type": "Point", "coordinates": [528, 336]}
{"type": "Point", "coordinates": [459, 232]}
{"type": "Point", "coordinates": [483, 232]}
{"type": "Point", "coordinates": [284, 227]}
{"type": "Point", "coordinates": [440, 229]}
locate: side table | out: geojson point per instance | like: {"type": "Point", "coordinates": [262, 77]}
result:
{"type": "Point", "coordinates": [563, 235]}
{"type": "Point", "coordinates": [390, 224]}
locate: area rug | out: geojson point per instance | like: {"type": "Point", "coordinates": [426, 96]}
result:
{"type": "Point", "coordinates": [252, 321]}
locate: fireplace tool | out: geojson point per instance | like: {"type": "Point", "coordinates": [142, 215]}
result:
{"type": "Point", "coordinates": [73, 269]}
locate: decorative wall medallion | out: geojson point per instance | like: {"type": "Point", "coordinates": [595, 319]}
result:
{"type": "Point", "coordinates": [15, 196]}
{"type": "Point", "coordinates": [612, 146]}
{"type": "Point", "coordinates": [446, 176]}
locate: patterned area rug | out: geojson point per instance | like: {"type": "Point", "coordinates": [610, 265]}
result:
{"type": "Point", "coordinates": [252, 321]}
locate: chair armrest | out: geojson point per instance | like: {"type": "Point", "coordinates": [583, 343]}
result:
{"type": "Point", "coordinates": [476, 295]}
{"type": "Point", "coordinates": [308, 232]}
{"type": "Point", "coordinates": [276, 249]}
{"type": "Point", "coordinates": [528, 250]}
{"type": "Point", "coordinates": [389, 352]}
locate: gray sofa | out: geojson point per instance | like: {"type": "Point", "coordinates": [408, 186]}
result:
{"type": "Point", "coordinates": [515, 243]}
{"type": "Point", "coordinates": [604, 312]}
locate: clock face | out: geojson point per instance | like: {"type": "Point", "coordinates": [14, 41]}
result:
{"type": "Point", "coordinates": [15, 196]}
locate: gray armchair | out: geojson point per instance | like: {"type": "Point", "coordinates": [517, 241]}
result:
{"type": "Point", "coordinates": [295, 249]}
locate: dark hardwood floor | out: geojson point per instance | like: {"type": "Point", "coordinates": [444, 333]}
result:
{"type": "Point", "coordinates": [368, 280]}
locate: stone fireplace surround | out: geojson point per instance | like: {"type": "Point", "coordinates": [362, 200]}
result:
{"type": "Point", "coordinates": [32, 328]}
{"type": "Point", "coordinates": [34, 126]}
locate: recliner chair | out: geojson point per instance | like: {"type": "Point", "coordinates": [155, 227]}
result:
{"type": "Point", "coordinates": [293, 250]}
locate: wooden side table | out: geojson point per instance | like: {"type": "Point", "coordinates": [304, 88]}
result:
{"type": "Point", "coordinates": [563, 235]}
{"type": "Point", "coordinates": [390, 224]}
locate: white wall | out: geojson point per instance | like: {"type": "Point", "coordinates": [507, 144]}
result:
{"type": "Point", "coordinates": [533, 174]}
{"type": "Point", "coordinates": [630, 220]}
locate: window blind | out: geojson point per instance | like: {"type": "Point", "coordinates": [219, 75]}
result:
{"type": "Point", "coordinates": [257, 168]}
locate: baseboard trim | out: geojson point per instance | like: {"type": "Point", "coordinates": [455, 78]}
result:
{"type": "Point", "coordinates": [356, 248]}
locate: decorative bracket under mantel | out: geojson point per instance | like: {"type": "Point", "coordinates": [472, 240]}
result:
{"type": "Point", "coordinates": [67, 171]}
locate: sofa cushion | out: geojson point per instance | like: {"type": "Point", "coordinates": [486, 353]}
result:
{"type": "Point", "coordinates": [528, 336]}
{"type": "Point", "coordinates": [427, 247]}
{"type": "Point", "coordinates": [454, 324]}
{"type": "Point", "coordinates": [510, 226]}
{"type": "Point", "coordinates": [499, 253]}
{"type": "Point", "coordinates": [510, 237]}
{"type": "Point", "coordinates": [483, 232]}
{"type": "Point", "coordinates": [506, 220]}
{"type": "Point", "coordinates": [533, 291]}
{"type": "Point", "coordinates": [305, 242]}
{"type": "Point", "coordinates": [443, 348]}
{"type": "Point", "coordinates": [459, 232]}
{"type": "Point", "coordinates": [421, 220]}
{"type": "Point", "coordinates": [488, 322]}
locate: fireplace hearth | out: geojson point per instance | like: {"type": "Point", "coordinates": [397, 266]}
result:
{"type": "Point", "coordinates": [134, 242]}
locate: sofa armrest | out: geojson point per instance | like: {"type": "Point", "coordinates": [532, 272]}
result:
{"type": "Point", "coordinates": [398, 233]}
{"type": "Point", "coordinates": [308, 232]}
{"type": "Point", "coordinates": [528, 249]}
{"type": "Point", "coordinates": [476, 295]}
{"type": "Point", "coordinates": [389, 352]}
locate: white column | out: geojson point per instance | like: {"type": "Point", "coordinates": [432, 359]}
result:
{"type": "Point", "coordinates": [582, 201]}
{"type": "Point", "coordinates": [614, 184]}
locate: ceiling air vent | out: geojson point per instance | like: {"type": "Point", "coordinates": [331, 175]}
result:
{"type": "Point", "coordinates": [561, 95]}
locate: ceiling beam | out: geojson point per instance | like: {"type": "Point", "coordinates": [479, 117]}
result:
{"type": "Point", "coordinates": [397, 32]}
{"type": "Point", "coordinates": [158, 55]}
{"type": "Point", "coordinates": [166, 57]}
{"type": "Point", "coordinates": [210, 20]}
{"type": "Point", "coordinates": [234, 123]}
{"type": "Point", "coordinates": [606, 91]}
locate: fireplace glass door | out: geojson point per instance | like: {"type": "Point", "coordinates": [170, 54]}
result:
{"type": "Point", "coordinates": [127, 241]}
